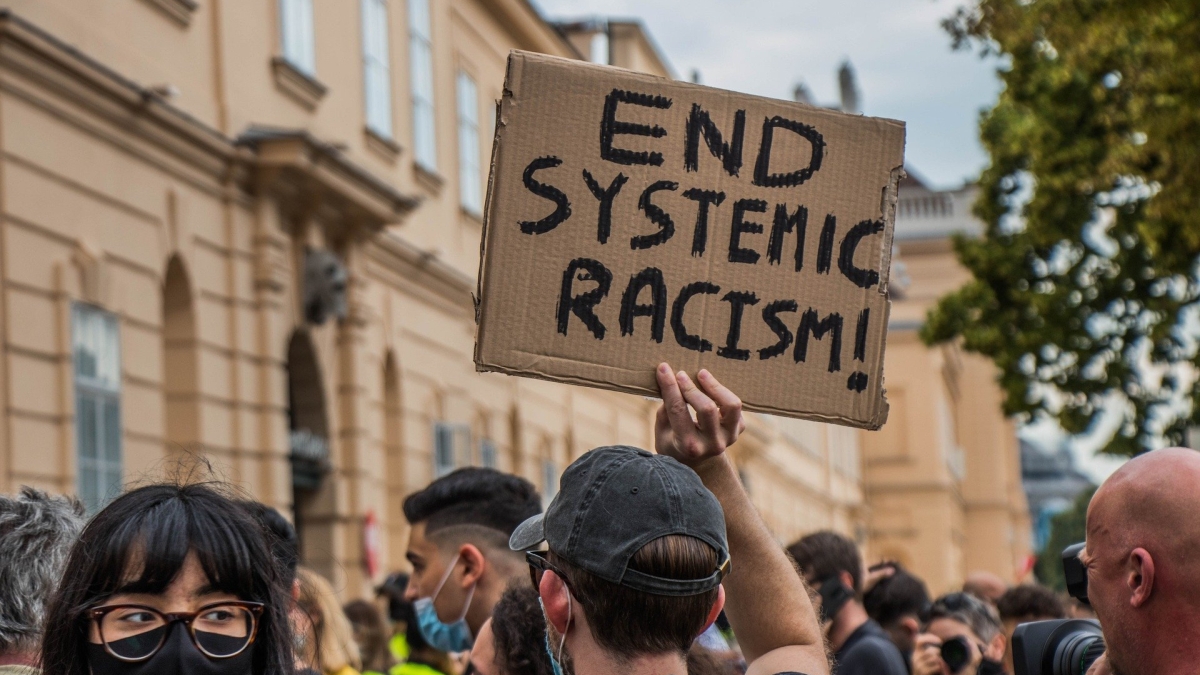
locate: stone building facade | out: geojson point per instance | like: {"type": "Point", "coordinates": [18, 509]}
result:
{"type": "Point", "coordinates": [943, 476]}
{"type": "Point", "coordinates": [247, 230]}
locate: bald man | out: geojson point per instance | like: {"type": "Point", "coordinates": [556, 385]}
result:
{"type": "Point", "coordinates": [1143, 564]}
{"type": "Point", "coordinates": [985, 586]}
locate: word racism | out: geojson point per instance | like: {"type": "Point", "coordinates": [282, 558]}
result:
{"type": "Point", "coordinates": [655, 194]}
{"type": "Point", "coordinates": [649, 281]}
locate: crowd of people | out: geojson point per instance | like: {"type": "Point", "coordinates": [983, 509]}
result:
{"type": "Point", "coordinates": [644, 562]}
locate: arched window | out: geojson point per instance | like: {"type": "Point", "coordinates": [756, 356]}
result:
{"type": "Point", "coordinates": [395, 481]}
{"type": "Point", "coordinates": [314, 503]}
{"type": "Point", "coordinates": [181, 390]}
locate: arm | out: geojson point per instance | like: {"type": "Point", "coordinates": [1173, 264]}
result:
{"type": "Point", "coordinates": [766, 600]}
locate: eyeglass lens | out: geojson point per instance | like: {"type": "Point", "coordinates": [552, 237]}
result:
{"type": "Point", "coordinates": [135, 632]}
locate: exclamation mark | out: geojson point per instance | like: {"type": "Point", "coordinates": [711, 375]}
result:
{"type": "Point", "coordinates": [860, 336]}
{"type": "Point", "coordinates": [858, 380]}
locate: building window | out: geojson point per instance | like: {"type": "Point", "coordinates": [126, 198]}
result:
{"type": "Point", "coordinates": [420, 38]}
{"type": "Point", "coordinates": [549, 480]}
{"type": "Point", "coordinates": [451, 447]}
{"type": "Point", "coordinates": [296, 29]}
{"type": "Point", "coordinates": [599, 48]}
{"type": "Point", "coordinates": [97, 357]}
{"type": "Point", "coordinates": [487, 453]}
{"type": "Point", "coordinates": [469, 179]}
{"type": "Point", "coordinates": [377, 78]}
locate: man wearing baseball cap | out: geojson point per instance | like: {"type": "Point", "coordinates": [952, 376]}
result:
{"type": "Point", "coordinates": [642, 548]}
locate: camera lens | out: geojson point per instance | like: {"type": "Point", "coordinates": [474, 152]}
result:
{"type": "Point", "coordinates": [1077, 653]}
{"type": "Point", "coordinates": [1057, 647]}
{"type": "Point", "coordinates": [956, 652]}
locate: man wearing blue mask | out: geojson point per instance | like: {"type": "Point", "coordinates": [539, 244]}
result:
{"type": "Point", "coordinates": [458, 548]}
{"type": "Point", "coordinates": [642, 549]}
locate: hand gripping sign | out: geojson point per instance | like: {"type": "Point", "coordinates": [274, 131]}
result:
{"type": "Point", "coordinates": [632, 219]}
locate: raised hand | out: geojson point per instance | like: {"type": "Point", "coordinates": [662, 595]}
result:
{"type": "Point", "coordinates": [717, 424]}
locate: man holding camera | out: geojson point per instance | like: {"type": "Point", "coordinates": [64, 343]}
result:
{"type": "Point", "coordinates": [963, 636]}
{"type": "Point", "coordinates": [1143, 565]}
{"type": "Point", "coordinates": [831, 564]}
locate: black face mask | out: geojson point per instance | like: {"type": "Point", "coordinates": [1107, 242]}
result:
{"type": "Point", "coordinates": [178, 656]}
{"type": "Point", "coordinates": [990, 667]}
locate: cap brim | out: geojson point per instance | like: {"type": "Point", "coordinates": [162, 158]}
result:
{"type": "Point", "coordinates": [528, 534]}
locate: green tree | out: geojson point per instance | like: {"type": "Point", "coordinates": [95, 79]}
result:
{"type": "Point", "coordinates": [1085, 280]}
{"type": "Point", "coordinates": [1066, 528]}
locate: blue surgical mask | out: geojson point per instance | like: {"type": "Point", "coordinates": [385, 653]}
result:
{"type": "Point", "coordinates": [452, 637]}
{"type": "Point", "coordinates": [554, 664]}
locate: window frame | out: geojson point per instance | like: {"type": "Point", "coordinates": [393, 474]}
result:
{"type": "Point", "coordinates": [297, 36]}
{"type": "Point", "coordinates": [550, 478]}
{"type": "Point", "coordinates": [470, 163]}
{"type": "Point", "coordinates": [459, 438]}
{"type": "Point", "coordinates": [422, 90]}
{"type": "Point", "coordinates": [101, 392]}
{"type": "Point", "coordinates": [377, 70]}
{"type": "Point", "coordinates": [489, 455]}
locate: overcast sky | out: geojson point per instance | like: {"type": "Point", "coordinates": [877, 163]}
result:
{"type": "Point", "coordinates": [906, 69]}
{"type": "Point", "coordinates": [905, 66]}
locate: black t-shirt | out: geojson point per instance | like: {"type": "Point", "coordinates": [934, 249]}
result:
{"type": "Point", "coordinates": [868, 651]}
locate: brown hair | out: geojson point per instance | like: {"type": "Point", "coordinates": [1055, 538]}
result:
{"type": "Point", "coordinates": [371, 634]}
{"type": "Point", "coordinates": [335, 647]}
{"type": "Point", "coordinates": [824, 554]}
{"type": "Point", "coordinates": [628, 623]}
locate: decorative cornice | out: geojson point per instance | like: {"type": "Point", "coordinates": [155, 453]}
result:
{"type": "Point", "coordinates": [305, 162]}
{"type": "Point", "coordinates": [400, 258]}
{"type": "Point", "coordinates": [302, 87]}
{"type": "Point", "coordinates": [179, 10]}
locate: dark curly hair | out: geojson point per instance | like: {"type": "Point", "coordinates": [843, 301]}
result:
{"type": "Point", "coordinates": [520, 630]}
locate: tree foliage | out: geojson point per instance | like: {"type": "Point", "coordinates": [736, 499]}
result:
{"type": "Point", "coordinates": [1085, 281]}
{"type": "Point", "coordinates": [1066, 528]}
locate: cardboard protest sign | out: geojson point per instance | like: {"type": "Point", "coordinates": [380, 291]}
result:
{"type": "Point", "coordinates": [632, 220]}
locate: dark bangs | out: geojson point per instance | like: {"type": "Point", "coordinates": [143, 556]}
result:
{"type": "Point", "coordinates": [138, 544]}
{"type": "Point", "coordinates": [146, 547]}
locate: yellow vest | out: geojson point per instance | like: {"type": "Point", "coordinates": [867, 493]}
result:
{"type": "Point", "coordinates": [399, 647]}
{"type": "Point", "coordinates": [414, 669]}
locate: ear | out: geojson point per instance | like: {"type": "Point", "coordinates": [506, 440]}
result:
{"type": "Point", "coordinates": [847, 580]}
{"type": "Point", "coordinates": [474, 563]}
{"type": "Point", "coordinates": [910, 625]}
{"type": "Point", "coordinates": [995, 649]}
{"type": "Point", "coordinates": [716, 610]}
{"type": "Point", "coordinates": [556, 601]}
{"type": "Point", "coordinates": [296, 590]}
{"type": "Point", "coordinates": [1139, 576]}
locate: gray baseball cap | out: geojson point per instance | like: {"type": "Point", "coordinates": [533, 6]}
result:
{"type": "Point", "coordinates": [616, 499]}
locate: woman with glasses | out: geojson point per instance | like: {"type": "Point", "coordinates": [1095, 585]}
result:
{"type": "Point", "coordinates": [170, 580]}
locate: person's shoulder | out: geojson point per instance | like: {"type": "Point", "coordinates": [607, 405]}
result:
{"type": "Point", "coordinates": [872, 655]}
{"type": "Point", "coordinates": [791, 660]}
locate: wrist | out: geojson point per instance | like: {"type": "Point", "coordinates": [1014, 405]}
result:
{"type": "Point", "coordinates": [715, 470]}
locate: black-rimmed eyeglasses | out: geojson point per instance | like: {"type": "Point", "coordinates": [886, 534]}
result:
{"type": "Point", "coordinates": [134, 633]}
{"type": "Point", "coordinates": [539, 565]}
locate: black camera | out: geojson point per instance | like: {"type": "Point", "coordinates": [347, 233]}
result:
{"type": "Point", "coordinates": [1061, 646]}
{"type": "Point", "coordinates": [956, 652]}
